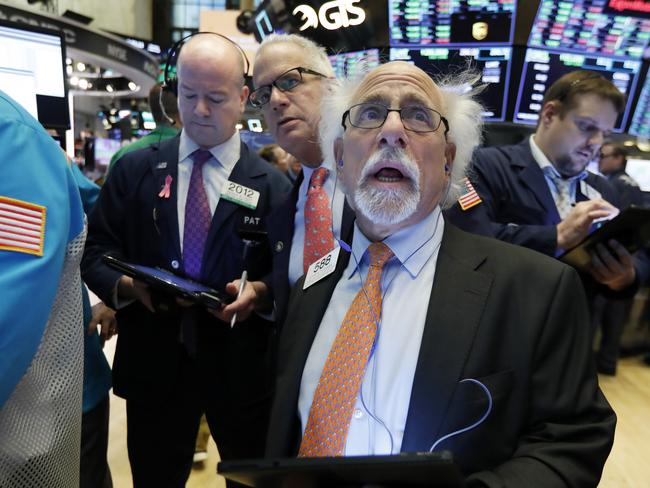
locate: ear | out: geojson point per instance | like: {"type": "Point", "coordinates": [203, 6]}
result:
{"type": "Point", "coordinates": [243, 97]}
{"type": "Point", "coordinates": [549, 110]}
{"type": "Point", "coordinates": [450, 156]}
{"type": "Point", "coordinates": [338, 154]}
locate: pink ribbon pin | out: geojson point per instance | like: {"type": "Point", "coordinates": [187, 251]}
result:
{"type": "Point", "coordinates": [167, 188]}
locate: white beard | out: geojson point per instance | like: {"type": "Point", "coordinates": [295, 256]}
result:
{"type": "Point", "coordinates": [387, 206]}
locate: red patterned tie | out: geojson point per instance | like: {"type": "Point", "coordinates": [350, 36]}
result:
{"type": "Point", "coordinates": [318, 220]}
{"type": "Point", "coordinates": [197, 217]}
{"type": "Point", "coordinates": [338, 387]}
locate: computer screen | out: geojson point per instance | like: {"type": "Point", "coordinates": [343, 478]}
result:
{"type": "Point", "coordinates": [354, 64]}
{"type": "Point", "coordinates": [640, 125]}
{"type": "Point", "coordinates": [588, 26]}
{"type": "Point", "coordinates": [639, 170]}
{"type": "Point", "coordinates": [104, 150]}
{"type": "Point", "coordinates": [492, 63]}
{"type": "Point", "coordinates": [451, 22]}
{"type": "Point", "coordinates": [543, 67]}
{"type": "Point", "coordinates": [32, 71]}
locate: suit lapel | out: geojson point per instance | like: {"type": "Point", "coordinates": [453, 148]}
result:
{"type": "Point", "coordinates": [532, 177]}
{"type": "Point", "coordinates": [166, 209]}
{"type": "Point", "coordinates": [457, 301]}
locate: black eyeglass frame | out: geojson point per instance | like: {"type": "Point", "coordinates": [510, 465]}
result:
{"type": "Point", "coordinates": [443, 120]}
{"type": "Point", "coordinates": [270, 86]}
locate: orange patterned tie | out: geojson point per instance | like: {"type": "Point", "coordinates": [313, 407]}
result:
{"type": "Point", "coordinates": [338, 387]}
{"type": "Point", "coordinates": [318, 220]}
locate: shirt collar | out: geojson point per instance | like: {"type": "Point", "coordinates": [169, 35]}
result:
{"type": "Point", "coordinates": [412, 246]}
{"type": "Point", "coordinates": [307, 172]}
{"type": "Point", "coordinates": [547, 167]}
{"type": "Point", "coordinates": [227, 153]}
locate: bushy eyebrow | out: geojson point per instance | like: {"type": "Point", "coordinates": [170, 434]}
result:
{"type": "Point", "coordinates": [410, 99]}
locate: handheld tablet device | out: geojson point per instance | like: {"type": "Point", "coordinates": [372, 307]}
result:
{"type": "Point", "coordinates": [631, 228]}
{"type": "Point", "coordinates": [435, 469]}
{"type": "Point", "coordinates": [168, 282]}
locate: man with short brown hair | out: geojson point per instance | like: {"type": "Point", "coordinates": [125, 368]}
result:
{"type": "Point", "coordinates": [538, 193]}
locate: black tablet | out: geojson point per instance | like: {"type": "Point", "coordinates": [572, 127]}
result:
{"type": "Point", "coordinates": [168, 282]}
{"type": "Point", "coordinates": [433, 470]}
{"type": "Point", "coordinates": [631, 228]}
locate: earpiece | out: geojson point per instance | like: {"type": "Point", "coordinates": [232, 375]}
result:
{"type": "Point", "coordinates": [446, 168]}
{"type": "Point", "coordinates": [340, 162]}
{"type": "Point", "coordinates": [162, 106]}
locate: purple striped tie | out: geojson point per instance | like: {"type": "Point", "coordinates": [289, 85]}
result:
{"type": "Point", "coordinates": [197, 217]}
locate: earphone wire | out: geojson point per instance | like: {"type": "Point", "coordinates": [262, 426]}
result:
{"type": "Point", "coordinates": [475, 424]}
{"type": "Point", "coordinates": [377, 321]}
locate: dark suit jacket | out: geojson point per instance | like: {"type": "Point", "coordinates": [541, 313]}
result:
{"type": "Point", "coordinates": [131, 221]}
{"type": "Point", "coordinates": [518, 206]}
{"type": "Point", "coordinates": [513, 319]}
{"type": "Point", "coordinates": [280, 232]}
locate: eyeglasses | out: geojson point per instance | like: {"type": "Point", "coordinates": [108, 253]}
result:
{"type": "Point", "coordinates": [415, 118]}
{"type": "Point", "coordinates": [287, 81]}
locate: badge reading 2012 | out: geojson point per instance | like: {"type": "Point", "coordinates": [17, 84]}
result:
{"type": "Point", "coordinates": [240, 194]}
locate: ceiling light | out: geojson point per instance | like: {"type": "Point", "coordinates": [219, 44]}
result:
{"type": "Point", "coordinates": [109, 88]}
{"type": "Point", "coordinates": [74, 81]}
{"type": "Point", "coordinates": [81, 66]}
{"type": "Point", "coordinates": [83, 84]}
{"type": "Point", "coordinates": [133, 86]}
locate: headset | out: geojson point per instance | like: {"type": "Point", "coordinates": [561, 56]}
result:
{"type": "Point", "coordinates": [171, 82]}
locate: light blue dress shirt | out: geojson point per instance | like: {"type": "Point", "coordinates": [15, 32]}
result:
{"type": "Point", "coordinates": [550, 173]}
{"type": "Point", "coordinates": [406, 287]}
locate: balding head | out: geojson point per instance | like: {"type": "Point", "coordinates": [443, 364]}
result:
{"type": "Point", "coordinates": [213, 49]}
{"type": "Point", "coordinates": [211, 89]}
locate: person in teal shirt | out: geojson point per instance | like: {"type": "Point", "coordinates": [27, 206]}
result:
{"type": "Point", "coordinates": [165, 113]}
{"type": "Point", "coordinates": [41, 345]}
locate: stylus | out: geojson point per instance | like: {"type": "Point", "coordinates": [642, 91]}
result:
{"type": "Point", "coordinates": [242, 284]}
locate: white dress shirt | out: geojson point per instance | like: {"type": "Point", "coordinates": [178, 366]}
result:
{"type": "Point", "coordinates": [406, 288]}
{"type": "Point", "coordinates": [298, 243]}
{"type": "Point", "coordinates": [216, 172]}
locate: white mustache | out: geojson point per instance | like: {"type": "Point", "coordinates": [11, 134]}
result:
{"type": "Point", "coordinates": [397, 157]}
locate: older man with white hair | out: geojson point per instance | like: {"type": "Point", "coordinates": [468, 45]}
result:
{"type": "Point", "coordinates": [428, 330]}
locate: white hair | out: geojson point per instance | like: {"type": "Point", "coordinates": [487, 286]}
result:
{"type": "Point", "coordinates": [460, 109]}
{"type": "Point", "coordinates": [315, 55]}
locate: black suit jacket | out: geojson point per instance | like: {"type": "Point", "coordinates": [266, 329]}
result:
{"type": "Point", "coordinates": [280, 232]}
{"type": "Point", "coordinates": [133, 222]}
{"type": "Point", "coordinates": [517, 206]}
{"type": "Point", "coordinates": [513, 319]}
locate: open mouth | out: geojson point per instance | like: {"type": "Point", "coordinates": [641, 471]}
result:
{"type": "Point", "coordinates": [389, 175]}
{"type": "Point", "coordinates": [286, 120]}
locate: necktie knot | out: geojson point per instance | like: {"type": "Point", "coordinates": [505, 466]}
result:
{"type": "Point", "coordinates": [200, 156]}
{"type": "Point", "coordinates": [379, 253]}
{"type": "Point", "coordinates": [318, 178]}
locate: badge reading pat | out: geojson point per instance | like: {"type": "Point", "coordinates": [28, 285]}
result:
{"type": "Point", "coordinates": [469, 198]}
{"type": "Point", "coordinates": [22, 226]}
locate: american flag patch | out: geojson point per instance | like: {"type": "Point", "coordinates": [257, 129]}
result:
{"type": "Point", "coordinates": [22, 226]}
{"type": "Point", "coordinates": [469, 198]}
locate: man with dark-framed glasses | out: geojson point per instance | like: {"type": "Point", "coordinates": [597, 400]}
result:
{"type": "Point", "coordinates": [290, 75]}
{"type": "Point", "coordinates": [423, 337]}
